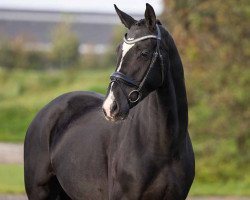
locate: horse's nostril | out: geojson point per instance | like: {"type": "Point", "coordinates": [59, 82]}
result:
{"type": "Point", "coordinates": [113, 107]}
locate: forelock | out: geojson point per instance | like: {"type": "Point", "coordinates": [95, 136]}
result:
{"type": "Point", "coordinates": [139, 29]}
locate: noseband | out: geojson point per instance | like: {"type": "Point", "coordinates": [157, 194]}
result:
{"type": "Point", "coordinates": [119, 77]}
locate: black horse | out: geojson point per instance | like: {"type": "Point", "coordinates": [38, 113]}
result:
{"type": "Point", "coordinates": [142, 149]}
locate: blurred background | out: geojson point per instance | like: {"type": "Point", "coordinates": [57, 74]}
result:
{"type": "Point", "coordinates": [52, 47]}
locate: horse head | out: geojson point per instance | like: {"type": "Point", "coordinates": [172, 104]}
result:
{"type": "Point", "coordinates": [140, 69]}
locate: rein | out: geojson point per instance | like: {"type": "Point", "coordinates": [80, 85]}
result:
{"type": "Point", "coordinates": [118, 77]}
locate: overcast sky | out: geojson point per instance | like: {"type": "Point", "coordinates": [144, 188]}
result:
{"type": "Point", "coordinates": [130, 6]}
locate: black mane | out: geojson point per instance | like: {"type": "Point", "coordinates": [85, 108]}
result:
{"type": "Point", "coordinates": [176, 83]}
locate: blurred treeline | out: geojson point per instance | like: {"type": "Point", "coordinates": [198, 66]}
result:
{"type": "Point", "coordinates": [64, 52]}
{"type": "Point", "coordinates": [213, 39]}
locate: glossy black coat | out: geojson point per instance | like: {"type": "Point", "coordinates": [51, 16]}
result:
{"type": "Point", "coordinates": [72, 152]}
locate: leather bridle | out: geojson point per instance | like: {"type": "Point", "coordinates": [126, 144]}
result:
{"type": "Point", "coordinates": [119, 77]}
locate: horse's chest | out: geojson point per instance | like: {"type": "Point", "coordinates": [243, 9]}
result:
{"type": "Point", "coordinates": [138, 175]}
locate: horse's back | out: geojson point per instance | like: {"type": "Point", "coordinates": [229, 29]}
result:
{"type": "Point", "coordinates": [44, 132]}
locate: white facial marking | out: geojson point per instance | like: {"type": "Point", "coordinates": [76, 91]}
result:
{"type": "Point", "coordinates": [125, 49]}
{"type": "Point", "coordinates": [109, 101]}
{"type": "Point", "coordinates": [111, 98]}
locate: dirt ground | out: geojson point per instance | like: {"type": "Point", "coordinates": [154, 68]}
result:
{"type": "Point", "coordinates": [11, 153]}
{"type": "Point", "coordinates": [9, 197]}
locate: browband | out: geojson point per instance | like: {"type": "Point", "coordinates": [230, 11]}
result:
{"type": "Point", "coordinates": [139, 39]}
{"type": "Point", "coordinates": [158, 37]}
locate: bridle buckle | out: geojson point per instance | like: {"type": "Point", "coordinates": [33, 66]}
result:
{"type": "Point", "coordinates": [135, 93]}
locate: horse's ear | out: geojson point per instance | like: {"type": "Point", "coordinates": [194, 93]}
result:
{"type": "Point", "coordinates": [126, 19]}
{"type": "Point", "coordinates": [150, 17]}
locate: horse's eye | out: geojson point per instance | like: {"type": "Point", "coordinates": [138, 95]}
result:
{"type": "Point", "coordinates": [145, 53]}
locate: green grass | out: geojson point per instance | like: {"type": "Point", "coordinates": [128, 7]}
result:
{"type": "Point", "coordinates": [229, 188]}
{"type": "Point", "coordinates": [11, 179]}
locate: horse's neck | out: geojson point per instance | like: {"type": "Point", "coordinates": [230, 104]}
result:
{"type": "Point", "coordinates": [152, 116]}
{"type": "Point", "coordinates": [154, 109]}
